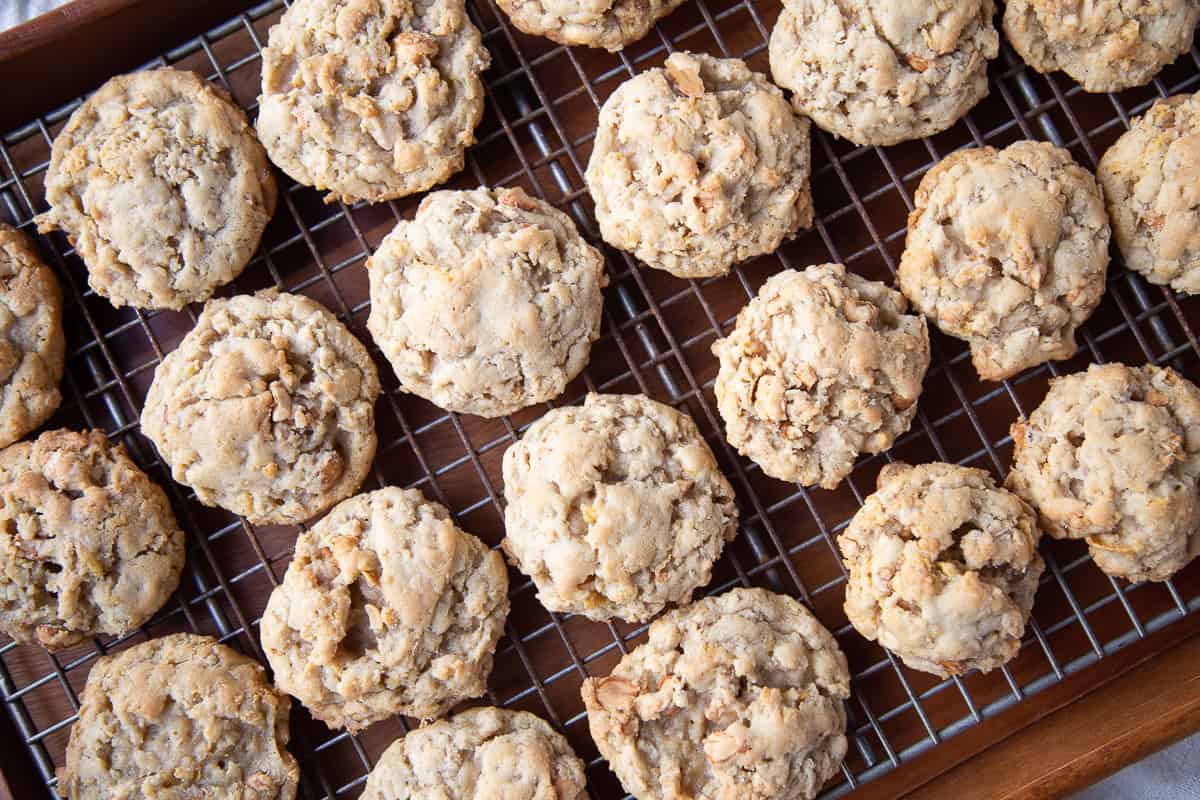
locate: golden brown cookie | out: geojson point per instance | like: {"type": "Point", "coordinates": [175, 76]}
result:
{"type": "Point", "coordinates": [615, 508]}
{"type": "Point", "coordinates": [480, 754]}
{"type": "Point", "coordinates": [387, 608]}
{"type": "Point", "coordinates": [821, 367]}
{"type": "Point", "coordinates": [89, 545]}
{"type": "Point", "coordinates": [610, 24]}
{"type": "Point", "coordinates": [1007, 250]}
{"type": "Point", "coordinates": [699, 164]}
{"type": "Point", "coordinates": [488, 301]}
{"type": "Point", "coordinates": [1112, 456]}
{"type": "Point", "coordinates": [1105, 45]}
{"type": "Point", "coordinates": [880, 72]}
{"type": "Point", "coordinates": [736, 696]}
{"type": "Point", "coordinates": [943, 568]}
{"type": "Point", "coordinates": [161, 186]}
{"type": "Point", "coordinates": [1151, 181]}
{"type": "Point", "coordinates": [371, 100]}
{"type": "Point", "coordinates": [32, 344]}
{"type": "Point", "coordinates": [181, 716]}
{"type": "Point", "coordinates": [266, 408]}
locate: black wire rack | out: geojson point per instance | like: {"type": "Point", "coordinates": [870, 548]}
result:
{"type": "Point", "coordinates": [542, 101]}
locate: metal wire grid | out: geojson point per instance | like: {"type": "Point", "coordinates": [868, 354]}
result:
{"type": "Point", "coordinates": [656, 332]}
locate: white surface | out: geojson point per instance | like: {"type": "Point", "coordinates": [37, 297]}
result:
{"type": "Point", "coordinates": [1170, 775]}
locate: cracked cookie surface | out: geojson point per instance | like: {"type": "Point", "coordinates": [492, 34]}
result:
{"type": "Point", "coordinates": [1007, 250]}
{"type": "Point", "coordinates": [480, 754]}
{"type": "Point", "coordinates": [89, 545]}
{"type": "Point", "coordinates": [884, 71]}
{"type": "Point", "coordinates": [387, 608]}
{"type": "Point", "coordinates": [943, 568]}
{"type": "Point", "coordinates": [1151, 181]}
{"type": "Point", "coordinates": [739, 695]}
{"type": "Point", "coordinates": [821, 367]}
{"type": "Point", "coordinates": [161, 186]}
{"type": "Point", "coordinates": [488, 301]}
{"type": "Point", "coordinates": [698, 165]}
{"type": "Point", "coordinates": [1105, 45]}
{"type": "Point", "coordinates": [615, 508]}
{"type": "Point", "coordinates": [181, 716]}
{"type": "Point", "coordinates": [610, 24]}
{"type": "Point", "coordinates": [266, 408]}
{"type": "Point", "coordinates": [32, 344]}
{"type": "Point", "coordinates": [1112, 456]}
{"type": "Point", "coordinates": [371, 99]}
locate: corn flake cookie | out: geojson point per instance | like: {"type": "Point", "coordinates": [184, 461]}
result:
{"type": "Point", "coordinates": [1112, 456]}
{"type": "Point", "coordinates": [371, 99]}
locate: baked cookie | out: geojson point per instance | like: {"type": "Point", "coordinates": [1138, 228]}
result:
{"type": "Point", "coordinates": [160, 185]}
{"type": "Point", "coordinates": [943, 568]}
{"type": "Point", "coordinates": [387, 608]}
{"type": "Point", "coordinates": [480, 754]}
{"type": "Point", "coordinates": [610, 24]}
{"type": "Point", "coordinates": [371, 100]}
{"type": "Point", "coordinates": [821, 367]}
{"type": "Point", "coordinates": [1007, 250]}
{"type": "Point", "coordinates": [616, 508]}
{"type": "Point", "coordinates": [487, 302]}
{"type": "Point", "coordinates": [1105, 45]}
{"type": "Point", "coordinates": [1112, 455]}
{"type": "Point", "coordinates": [881, 72]}
{"type": "Point", "coordinates": [32, 344]}
{"type": "Point", "coordinates": [1151, 181]}
{"type": "Point", "coordinates": [266, 408]}
{"type": "Point", "coordinates": [88, 543]}
{"type": "Point", "coordinates": [698, 165]}
{"type": "Point", "coordinates": [181, 716]}
{"type": "Point", "coordinates": [733, 696]}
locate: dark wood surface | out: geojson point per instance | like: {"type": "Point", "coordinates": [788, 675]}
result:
{"type": "Point", "coordinates": [58, 55]}
{"type": "Point", "coordinates": [1084, 728]}
{"type": "Point", "coordinates": [1023, 752]}
{"type": "Point", "coordinates": [1148, 708]}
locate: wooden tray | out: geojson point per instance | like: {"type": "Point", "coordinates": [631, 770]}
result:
{"type": "Point", "coordinates": [1035, 729]}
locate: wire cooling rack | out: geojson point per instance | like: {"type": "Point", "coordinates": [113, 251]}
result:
{"type": "Point", "coordinates": [542, 101]}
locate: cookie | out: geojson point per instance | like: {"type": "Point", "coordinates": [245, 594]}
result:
{"type": "Point", "coordinates": [733, 696]}
{"type": "Point", "coordinates": [476, 755]}
{"type": "Point", "coordinates": [943, 568]}
{"type": "Point", "coordinates": [160, 185]}
{"type": "Point", "coordinates": [180, 716]}
{"type": "Point", "coordinates": [1151, 181]}
{"type": "Point", "coordinates": [89, 545]}
{"type": "Point", "coordinates": [487, 302]}
{"type": "Point", "coordinates": [387, 608]}
{"type": "Point", "coordinates": [882, 72]}
{"type": "Point", "coordinates": [615, 508]}
{"type": "Point", "coordinates": [821, 367]}
{"type": "Point", "coordinates": [1105, 45]}
{"type": "Point", "coordinates": [1112, 456]}
{"type": "Point", "coordinates": [1007, 250]}
{"type": "Point", "coordinates": [371, 100]}
{"type": "Point", "coordinates": [32, 344]}
{"type": "Point", "coordinates": [610, 24]}
{"type": "Point", "coordinates": [698, 165]}
{"type": "Point", "coordinates": [266, 408]}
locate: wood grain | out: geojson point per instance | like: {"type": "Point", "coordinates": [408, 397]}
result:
{"type": "Point", "coordinates": [951, 769]}
{"type": "Point", "coordinates": [1018, 753]}
{"type": "Point", "coordinates": [1143, 711]}
{"type": "Point", "coordinates": [49, 28]}
{"type": "Point", "coordinates": [59, 55]}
